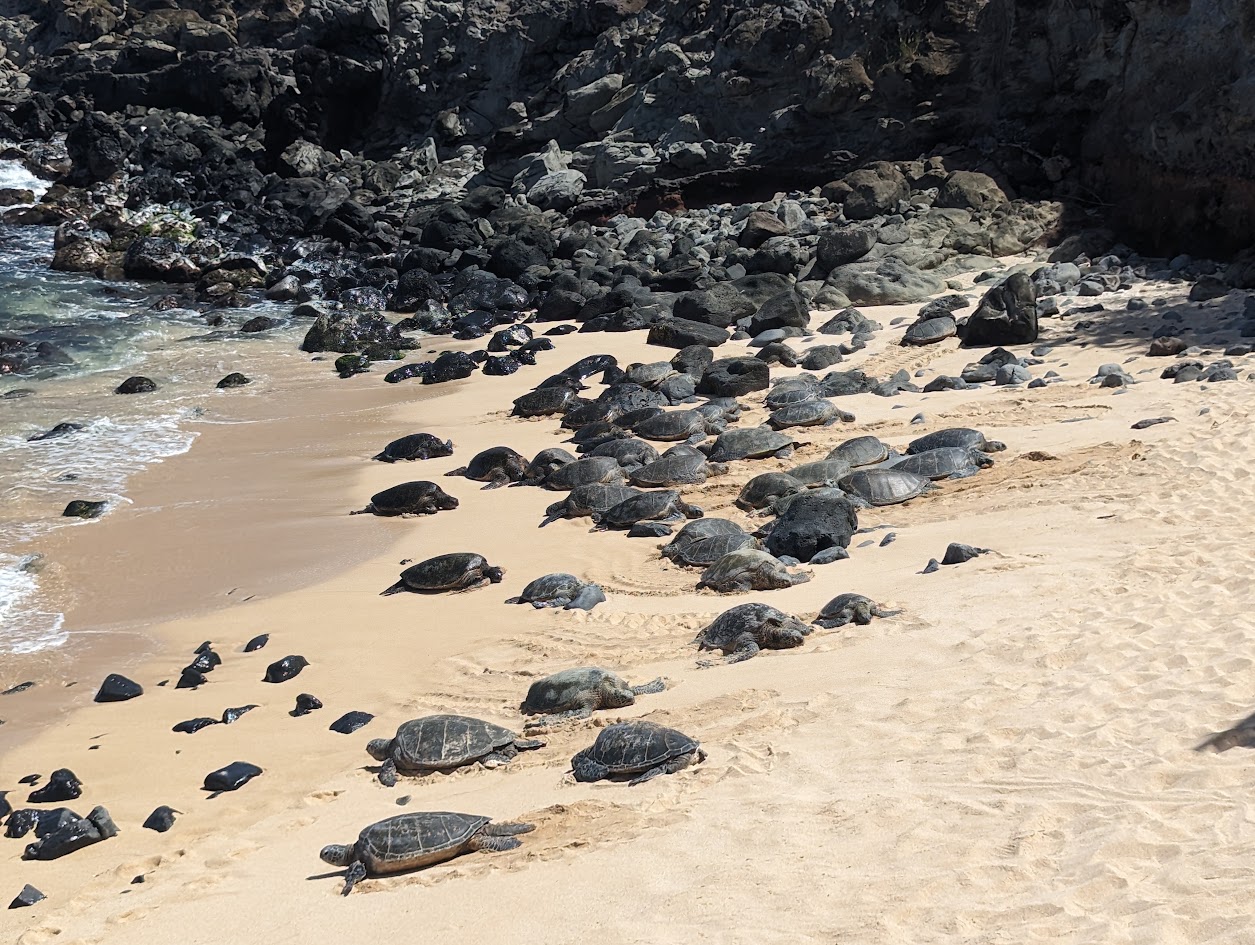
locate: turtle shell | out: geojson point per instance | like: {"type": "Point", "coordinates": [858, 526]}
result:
{"type": "Point", "coordinates": [633, 747]}
{"type": "Point", "coordinates": [550, 586]}
{"type": "Point", "coordinates": [593, 498]}
{"type": "Point", "coordinates": [689, 469]}
{"type": "Point", "coordinates": [671, 426]}
{"type": "Point", "coordinates": [561, 691]}
{"type": "Point", "coordinates": [415, 446]}
{"type": "Point", "coordinates": [421, 838]}
{"type": "Point", "coordinates": [825, 472]}
{"type": "Point", "coordinates": [443, 571]}
{"type": "Point", "coordinates": [723, 631]}
{"type": "Point", "coordinates": [583, 472]}
{"type": "Point", "coordinates": [703, 552]}
{"type": "Point", "coordinates": [861, 451]}
{"type": "Point", "coordinates": [747, 560]}
{"type": "Point", "coordinates": [548, 460]}
{"type": "Point", "coordinates": [484, 464]}
{"type": "Point", "coordinates": [954, 436]}
{"type": "Point", "coordinates": [751, 443]}
{"type": "Point", "coordinates": [443, 742]}
{"type": "Point", "coordinates": [809, 413]}
{"type": "Point", "coordinates": [545, 402]}
{"type": "Point", "coordinates": [645, 507]}
{"type": "Point", "coordinates": [943, 462]}
{"type": "Point", "coordinates": [766, 488]}
{"type": "Point", "coordinates": [629, 453]}
{"type": "Point", "coordinates": [793, 390]}
{"type": "Point", "coordinates": [412, 497]}
{"type": "Point", "coordinates": [884, 486]}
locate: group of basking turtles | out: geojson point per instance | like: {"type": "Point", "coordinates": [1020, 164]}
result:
{"type": "Point", "coordinates": [621, 481]}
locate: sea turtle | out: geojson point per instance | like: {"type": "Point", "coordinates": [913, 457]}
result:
{"type": "Point", "coordinates": [884, 486]}
{"type": "Point", "coordinates": [749, 570]}
{"type": "Point", "coordinates": [672, 425]}
{"type": "Point", "coordinates": [442, 743]}
{"type": "Point", "coordinates": [851, 608]}
{"type": "Point", "coordinates": [415, 446]}
{"type": "Point", "coordinates": [741, 631]}
{"type": "Point", "coordinates": [421, 838]}
{"type": "Point", "coordinates": [575, 693]}
{"type": "Point", "coordinates": [545, 401]}
{"type": "Point", "coordinates": [410, 498]}
{"type": "Point", "coordinates": [750, 443]}
{"type": "Point", "coordinates": [808, 413]}
{"type": "Point", "coordinates": [644, 749]}
{"type": "Point", "coordinates": [588, 471]}
{"type": "Point", "coordinates": [655, 506]}
{"type": "Point", "coordinates": [764, 489]}
{"type": "Point", "coordinates": [545, 462]}
{"type": "Point", "coordinates": [651, 374]}
{"type": "Point", "coordinates": [955, 436]}
{"type": "Point", "coordinates": [460, 571]}
{"type": "Point", "coordinates": [792, 390]}
{"type": "Point", "coordinates": [630, 453]}
{"type": "Point", "coordinates": [720, 408]}
{"type": "Point", "coordinates": [588, 500]}
{"type": "Point", "coordinates": [560, 590]}
{"type": "Point", "coordinates": [703, 542]}
{"type": "Point", "coordinates": [824, 472]}
{"type": "Point", "coordinates": [676, 469]}
{"type": "Point", "coordinates": [496, 466]}
{"type": "Point", "coordinates": [944, 462]}
{"type": "Point", "coordinates": [861, 451]}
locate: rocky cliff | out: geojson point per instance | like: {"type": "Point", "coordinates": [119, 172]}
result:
{"type": "Point", "coordinates": [277, 111]}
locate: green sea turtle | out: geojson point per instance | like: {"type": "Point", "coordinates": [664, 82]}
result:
{"type": "Point", "coordinates": [643, 749]}
{"type": "Point", "coordinates": [851, 608]}
{"type": "Point", "coordinates": [410, 498]}
{"type": "Point", "coordinates": [443, 743]}
{"type": "Point", "coordinates": [749, 569]}
{"type": "Point", "coordinates": [495, 466]}
{"type": "Point", "coordinates": [417, 839]}
{"type": "Point", "coordinates": [742, 631]}
{"type": "Point", "coordinates": [459, 571]}
{"type": "Point", "coordinates": [575, 693]}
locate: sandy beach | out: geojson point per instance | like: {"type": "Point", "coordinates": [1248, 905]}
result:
{"type": "Point", "coordinates": [1009, 759]}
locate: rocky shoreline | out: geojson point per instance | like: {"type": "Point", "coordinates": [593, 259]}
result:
{"type": "Point", "coordinates": [825, 374]}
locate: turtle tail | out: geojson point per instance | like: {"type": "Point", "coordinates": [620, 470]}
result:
{"type": "Point", "coordinates": [460, 471]}
{"type": "Point", "coordinates": [368, 509]}
{"type": "Point", "coordinates": [396, 588]}
{"type": "Point", "coordinates": [383, 458]}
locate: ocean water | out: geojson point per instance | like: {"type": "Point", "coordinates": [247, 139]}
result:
{"type": "Point", "coordinates": [109, 331]}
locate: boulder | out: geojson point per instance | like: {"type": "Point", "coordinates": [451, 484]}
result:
{"type": "Point", "coordinates": [720, 305]}
{"type": "Point", "coordinates": [683, 333]}
{"type": "Point", "coordinates": [158, 259]}
{"type": "Point", "coordinates": [350, 332]}
{"type": "Point", "coordinates": [872, 190]}
{"type": "Point", "coordinates": [812, 523]}
{"type": "Point", "coordinates": [761, 226]}
{"type": "Point", "coordinates": [841, 245]}
{"type": "Point", "coordinates": [558, 190]}
{"type": "Point", "coordinates": [883, 282]}
{"type": "Point", "coordinates": [969, 190]}
{"type": "Point", "coordinates": [1007, 315]}
{"type": "Point", "coordinates": [734, 377]}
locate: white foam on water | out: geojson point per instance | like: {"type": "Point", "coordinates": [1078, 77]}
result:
{"type": "Point", "coordinates": [13, 175]}
{"type": "Point", "coordinates": [24, 627]}
{"type": "Point", "coordinates": [101, 459]}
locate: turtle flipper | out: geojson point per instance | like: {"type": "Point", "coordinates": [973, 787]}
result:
{"type": "Point", "coordinates": [352, 876]}
{"type": "Point", "coordinates": [585, 769]}
{"type": "Point", "coordinates": [528, 744]}
{"type": "Point", "coordinates": [506, 829]}
{"type": "Point", "coordinates": [388, 773]}
{"type": "Point", "coordinates": [460, 471]}
{"type": "Point", "coordinates": [670, 767]}
{"type": "Point", "coordinates": [649, 688]}
{"type": "Point", "coordinates": [494, 844]}
{"type": "Point", "coordinates": [365, 511]}
{"type": "Point", "coordinates": [396, 588]}
{"type": "Point", "coordinates": [746, 649]}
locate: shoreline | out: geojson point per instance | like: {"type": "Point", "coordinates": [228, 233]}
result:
{"type": "Point", "coordinates": [1001, 707]}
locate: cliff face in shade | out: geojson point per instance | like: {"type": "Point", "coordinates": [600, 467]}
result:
{"type": "Point", "coordinates": [1141, 110]}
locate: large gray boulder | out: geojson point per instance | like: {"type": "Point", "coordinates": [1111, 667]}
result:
{"type": "Point", "coordinates": [812, 523]}
{"type": "Point", "coordinates": [884, 282]}
{"type": "Point", "coordinates": [970, 190]}
{"type": "Point", "coordinates": [839, 246]}
{"type": "Point", "coordinates": [1007, 315]}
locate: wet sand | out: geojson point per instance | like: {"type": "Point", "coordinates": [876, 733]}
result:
{"type": "Point", "coordinates": [1009, 757]}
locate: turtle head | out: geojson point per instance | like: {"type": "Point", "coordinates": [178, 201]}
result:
{"type": "Point", "coordinates": [447, 503]}
{"type": "Point", "coordinates": [337, 854]}
{"type": "Point", "coordinates": [494, 574]}
{"type": "Point", "coordinates": [380, 749]}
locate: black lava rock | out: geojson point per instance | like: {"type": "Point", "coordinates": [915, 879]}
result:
{"type": "Point", "coordinates": [257, 642]}
{"type": "Point", "coordinates": [27, 897]}
{"type": "Point", "coordinates": [62, 786]}
{"type": "Point", "coordinates": [117, 688]}
{"type": "Point", "coordinates": [305, 704]}
{"type": "Point", "coordinates": [350, 722]}
{"type": "Point", "coordinates": [231, 778]}
{"type": "Point", "coordinates": [136, 385]}
{"type": "Point", "coordinates": [191, 726]}
{"type": "Point", "coordinates": [234, 379]}
{"type": "Point", "coordinates": [232, 715]}
{"type": "Point", "coordinates": [84, 508]}
{"type": "Point", "coordinates": [161, 819]}
{"type": "Point", "coordinates": [285, 669]}
{"type": "Point", "coordinates": [957, 553]}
